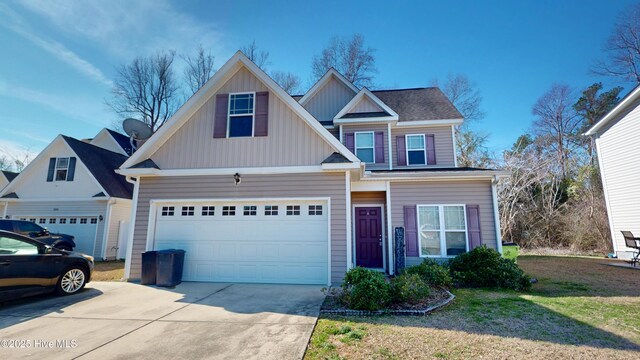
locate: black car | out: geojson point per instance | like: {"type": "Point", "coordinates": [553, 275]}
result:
{"type": "Point", "coordinates": [29, 267]}
{"type": "Point", "coordinates": [35, 231]}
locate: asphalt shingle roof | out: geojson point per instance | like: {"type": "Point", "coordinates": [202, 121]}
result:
{"type": "Point", "coordinates": [419, 104]}
{"type": "Point", "coordinates": [122, 140]}
{"type": "Point", "coordinates": [10, 175]}
{"type": "Point", "coordinates": [102, 164]}
{"type": "Point", "coordinates": [336, 158]}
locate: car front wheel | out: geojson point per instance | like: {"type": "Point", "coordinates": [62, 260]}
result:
{"type": "Point", "coordinates": [71, 281]}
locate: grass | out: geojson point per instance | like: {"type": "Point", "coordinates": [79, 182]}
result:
{"type": "Point", "coordinates": [108, 271]}
{"type": "Point", "coordinates": [580, 308]}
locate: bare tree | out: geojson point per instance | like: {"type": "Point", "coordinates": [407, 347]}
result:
{"type": "Point", "coordinates": [146, 89]}
{"type": "Point", "coordinates": [350, 57]}
{"type": "Point", "coordinates": [622, 48]}
{"type": "Point", "coordinates": [259, 57]}
{"type": "Point", "coordinates": [557, 124]}
{"type": "Point", "coordinates": [288, 81]}
{"type": "Point", "coordinates": [465, 96]}
{"type": "Point", "coordinates": [472, 148]}
{"type": "Point", "coordinates": [199, 69]}
{"type": "Point", "coordinates": [15, 160]}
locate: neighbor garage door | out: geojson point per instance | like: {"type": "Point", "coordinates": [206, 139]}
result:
{"type": "Point", "coordinates": [82, 228]}
{"type": "Point", "coordinates": [248, 241]}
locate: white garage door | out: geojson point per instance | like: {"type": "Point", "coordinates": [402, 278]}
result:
{"type": "Point", "coordinates": [248, 241]}
{"type": "Point", "coordinates": [82, 228]}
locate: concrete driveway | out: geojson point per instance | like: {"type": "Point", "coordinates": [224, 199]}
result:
{"type": "Point", "coordinates": [111, 320]}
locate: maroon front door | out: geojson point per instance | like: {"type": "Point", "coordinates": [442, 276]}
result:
{"type": "Point", "coordinates": [368, 223]}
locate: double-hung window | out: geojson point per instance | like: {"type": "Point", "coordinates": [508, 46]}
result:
{"type": "Point", "coordinates": [241, 114]}
{"type": "Point", "coordinates": [442, 230]}
{"type": "Point", "coordinates": [62, 168]}
{"type": "Point", "coordinates": [364, 145]}
{"type": "Point", "coordinates": [416, 150]}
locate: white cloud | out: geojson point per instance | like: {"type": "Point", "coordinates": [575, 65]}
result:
{"type": "Point", "coordinates": [10, 152]}
{"type": "Point", "coordinates": [71, 106]}
{"type": "Point", "coordinates": [17, 24]}
{"type": "Point", "coordinates": [130, 28]}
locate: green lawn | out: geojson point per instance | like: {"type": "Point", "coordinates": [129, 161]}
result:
{"type": "Point", "coordinates": [581, 308]}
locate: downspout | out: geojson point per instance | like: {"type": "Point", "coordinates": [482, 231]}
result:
{"type": "Point", "coordinates": [132, 223]}
{"type": "Point", "coordinates": [496, 212]}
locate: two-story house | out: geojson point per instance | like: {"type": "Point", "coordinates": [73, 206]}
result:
{"type": "Point", "coordinates": [259, 186]}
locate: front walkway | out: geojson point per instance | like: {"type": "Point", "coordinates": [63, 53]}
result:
{"type": "Point", "coordinates": [195, 320]}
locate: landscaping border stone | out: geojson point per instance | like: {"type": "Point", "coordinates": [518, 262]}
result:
{"type": "Point", "coordinates": [349, 312]}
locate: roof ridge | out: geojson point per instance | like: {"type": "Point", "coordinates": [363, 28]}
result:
{"type": "Point", "coordinates": [407, 89]}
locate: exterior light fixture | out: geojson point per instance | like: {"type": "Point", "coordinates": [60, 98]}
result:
{"type": "Point", "coordinates": [236, 178]}
{"type": "Point", "coordinates": [100, 218]}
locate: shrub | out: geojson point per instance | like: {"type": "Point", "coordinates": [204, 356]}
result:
{"type": "Point", "coordinates": [483, 267]}
{"type": "Point", "coordinates": [365, 289]}
{"type": "Point", "coordinates": [409, 288]}
{"type": "Point", "coordinates": [432, 273]}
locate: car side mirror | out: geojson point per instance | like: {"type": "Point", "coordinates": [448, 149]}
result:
{"type": "Point", "coordinates": [46, 249]}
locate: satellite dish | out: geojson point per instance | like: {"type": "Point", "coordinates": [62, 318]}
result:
{"type": "Point", "coordinates": [137, 130]}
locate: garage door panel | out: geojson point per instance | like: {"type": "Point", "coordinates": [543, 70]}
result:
{"type": "Point", "coordinates": [84, 233]}
{"type": "Point", "coordinates": [249, 248]}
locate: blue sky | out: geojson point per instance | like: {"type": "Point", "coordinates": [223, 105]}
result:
{"type": "Point", "coordinates": [58, 57]}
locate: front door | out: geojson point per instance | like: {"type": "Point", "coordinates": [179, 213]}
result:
{"type": "Point", "coordinates": [368, 223]}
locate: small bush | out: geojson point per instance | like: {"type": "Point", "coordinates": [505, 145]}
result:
{"type": "Point", "coordinates": [409, 288]}
{"type": "Point", "coordinates": [365, 289]}
{"type": "Point", "coordinates": [432, 273]}
{"type": "Point", "coordinates": [483, 267]}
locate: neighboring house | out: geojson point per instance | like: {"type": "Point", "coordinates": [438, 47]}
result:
{"type": "Point", "coordinates": [5, 178]}
{"type": "Point", "coordinates": [257, 186]}
{"type": "Point", "coordinates": [616, 137]}
{"type": "Point", "coordinates": [71, 187]}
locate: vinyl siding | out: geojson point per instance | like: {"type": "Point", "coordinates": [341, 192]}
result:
{"type": "Point", "coordinates": [365, 105]}
{"type": "Point", "coordinates": [440, 193]}
{"type": "Point", "coordinates": [619, 156]}
{"type": "Point", "coordinates": [290, 142]}
{"type": "Point", "coordinates": [329, 100]}
{"type": "Point", "coordinates": [253, 186]}
{"type": "Point", "coordinates": [120, 211]}
{"type": "Point", "coordinates": [64, 208]}
{"type": "Point", "coordinates": [375, 128]}
{"type": "Point", "coordinates": [443, 138]}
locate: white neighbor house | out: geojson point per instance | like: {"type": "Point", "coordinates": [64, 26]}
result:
{"type": "Point", "coordinates": [617, 137]}
{"type": "Point", "coordinates": [71, 188]}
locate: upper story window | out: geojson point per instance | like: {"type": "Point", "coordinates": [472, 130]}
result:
{"type": "Point", "coordinates": [364, 146]}
{"type": "Point", "coordinates": [62, 169]}
{"type": "Point", "coordinates": [416, 150]}
{"type": "Point", "coordinates": [241, 114]}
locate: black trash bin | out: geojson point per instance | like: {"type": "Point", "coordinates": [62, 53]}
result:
{"type": "Point", "coordinates": [170, 263]}
{"type": "Point", "coordinates": [149, 269]}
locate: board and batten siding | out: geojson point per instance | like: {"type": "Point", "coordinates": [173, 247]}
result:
{"type": "Point", "coordinates": [327, 102]}
{"type": "Point", "coordinates": [120, 211]}
{"type": "Point", "coordinates": [619, 152]}
{"type": "Point", "coordinates": [441, 193]}
{"type": "Point", "coordinates": [64, 209]}
{"type": "Point", "coordinates": [351, 128]}
{"type": "Point", "coordinates": [365, 104]}
{"type": "Point", "coordinates": [331, 185]}
{"type": "Point", "coordinates": [445, 155]}
{"type": "Point", "coordinates": [290, 141]}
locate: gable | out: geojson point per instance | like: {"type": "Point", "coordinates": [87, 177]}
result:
{"type": "Point", "coordinates": [290, 140]}
{"type": "Point", "coordinates": [32, 182]}
{"type": "Point", "coordinates": [329, 100]}
{"type": "Point", "coordinates": [365, 105]}
{"type": "Point", "coordinates": [106, 141]}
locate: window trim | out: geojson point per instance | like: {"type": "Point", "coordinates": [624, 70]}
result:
{"type": "Point", "coordinates": [443, 231]}
{"type": "Point", "coordinates": [424, 148]}
{"type": "Point", "coordinates": [55, 172]}
{"type": "Point", "coordinates": [373, 145]}
{"type": "Point", "coordinates": [253, 114]}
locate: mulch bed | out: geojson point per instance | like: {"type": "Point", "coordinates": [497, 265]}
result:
{"type": "Point", "coordinates": [436, 300]}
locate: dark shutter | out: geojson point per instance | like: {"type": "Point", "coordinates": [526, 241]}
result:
{"type": "Point", "coordinates": [52, 169]}
{"type": "Point", "coordinates": [431, 149]}
{"type": "Point", "coordinates": [411, 230]}
{"type": "Point", "coordinates": [349, 142]}
{"type": "Point", "coordinates": [402, 150]}
{"type": "Point", "coordinates": [220, 121]}
{"type": "Point", "coordinates": [72, 169]}
{"type": "Point", "coordinates": [379, 143]}
{"type": "Point", "coordinates": [473, 226]}
{"type": "Point", "coordinates": [262, 114]}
